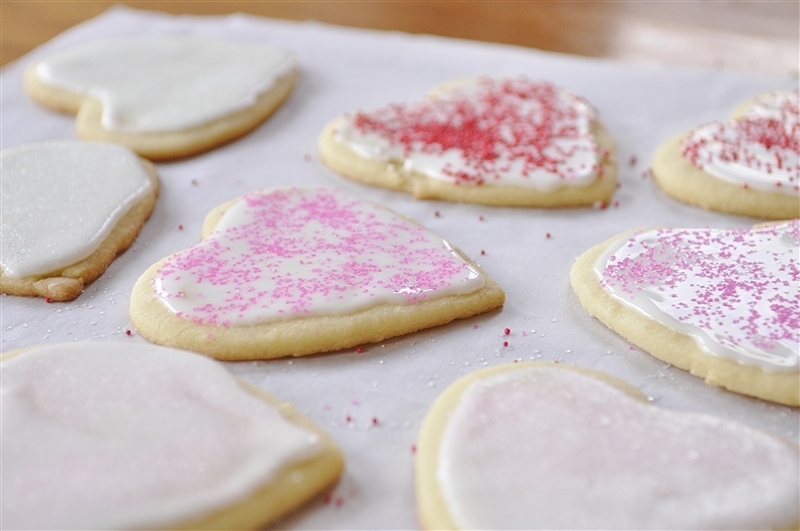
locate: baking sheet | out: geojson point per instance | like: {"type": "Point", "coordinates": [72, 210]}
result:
{"type": "Point", "coordinates": [372, 403]}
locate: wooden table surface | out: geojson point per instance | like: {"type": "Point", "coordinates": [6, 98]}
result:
{"type": "Point", "coordinates": [761, 37]}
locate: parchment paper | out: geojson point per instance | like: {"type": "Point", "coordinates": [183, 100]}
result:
{"type": "Point", "coordinates": [372, 403]}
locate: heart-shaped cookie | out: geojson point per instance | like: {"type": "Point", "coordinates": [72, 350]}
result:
{"type": "Point", "coordinates": [747, 165]}
{"type": "Point", "coordinates": [164, 96]}
{"type": "Point", "coordinates": [722, 304]}
{"type": "Point", "coordinates": [298, 271]}
{"type": "Point", "coordinates": [69, 207]}
{"type": "Point", "coordinates": [122, 436]}
{"type": "Point", "coordinates": [548, 446]}
{"type": "Point", "coordinates": [513, 142]}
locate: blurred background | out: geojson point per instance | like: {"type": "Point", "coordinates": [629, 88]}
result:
{"type": "Point", "coordinates": [761, 37]}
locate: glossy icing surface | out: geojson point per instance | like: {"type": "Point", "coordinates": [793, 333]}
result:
{"type": "Point", "coordinates": [296, 252]}
{"type": "Point", "coordinates": [760, 149]}
{"type": "Point", "coordinates": [736, 292]}
{"type": "Point", "coordinates": [487, 131]}
{"type": "Point", "coordinates": [152, 83]}
{"type": "Point", "coordinates": [116, 436]}
{"type": "Point", "coordinates": [549, 448]}
{"type": "Point", "coordinates": [61, 199]}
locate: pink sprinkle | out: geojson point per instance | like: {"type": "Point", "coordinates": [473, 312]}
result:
{"type": "Point", "coordinates": [294, 250]}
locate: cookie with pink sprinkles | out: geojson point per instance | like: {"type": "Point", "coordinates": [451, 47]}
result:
{"type": "Point", "coordinates": [747, 165]}
{"type": "Point", "coordinates": [298, 271]}
{"type": "Point", "coordinates": [493, 141]}
{"type": "Point", "coordinates": [723, 304]}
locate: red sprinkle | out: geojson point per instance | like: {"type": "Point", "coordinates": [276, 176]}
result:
{"type": "Point", "coordinates": [374, 421]}
{"type": "Point", "coordinates": [490, 128]}
{"type": "Point", "coordinates": [506, 331]}
{"type": "Point", "coordinates": [359, 350]}
{"type": "Point", "coordinates": [128, 332]}
{"type": "Point", "coordinates": [505, 343]}
{"type": "Point", "coordinates": [180, 226]}
{"type": "Point", "coordinates": [548, 236]}
{"type": "Point", "coordinates": [48, 300]}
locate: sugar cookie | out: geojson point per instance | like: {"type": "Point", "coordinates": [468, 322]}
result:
{"type": "Point", "coordinates": [295, 271]}
{"type": "Point", "coordinates": [123, 436]}
{"type": "Point", "coordinates": [748, 165]}
{"type": "Point", "coordinates": [538, 445]}
{"type": "Point", "coordinates": [512, 142]}
{"type": "Point", "coordinates": [164, 96]}
{"type": "Point", "coordinates": [69, 208]}
{"type": "Point", "coordinates": [722, 304]}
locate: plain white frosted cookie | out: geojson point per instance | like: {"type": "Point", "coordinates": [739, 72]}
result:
{"type": "Point", "coordinates": [122, 436]}
{"type": "Point", "coordinates": [296, 271]}
{"type": "Point", "coordinates": [164, 96]}
{"type": "Point", "coordinates": [537, 445]}
{"type": "Point", "coordinates": [69, 208]}
{"type": "Point", "coordinates": [505, 141]}
{"type": "Point", "coordinates": [748, 165]}
{"type": "Point", "coordinates": [722, 304]}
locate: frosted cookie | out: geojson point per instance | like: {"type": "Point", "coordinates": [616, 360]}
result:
{"type": "Point", "coordinates": [512, 142]}
{"type": "Point", "coordinates": [547, 446]}
{"type": "Point", "coordinates": [164, 96]}
{"type": "Point", "coordinates": [722, 304]}
{"type": "Point", "coordinates": [122, 436]}
{"type": "Point", "coordinates": [295, 271]}
{"type": "Point", "coordinates": [69, 208]}
{"type": "Point", "coordinates": [748, 165]}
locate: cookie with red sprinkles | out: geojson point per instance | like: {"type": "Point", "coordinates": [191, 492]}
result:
{"type": "Point", "coordinates": [494, 141]}
{"type": "Point", "coordinates": [723, 304]}
{"type": "Point", "coordinates": [297, 271]}
{"type": "Point", "coordinates": [747, 165]}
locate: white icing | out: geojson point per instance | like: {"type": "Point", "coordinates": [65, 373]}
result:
{"type": "Point", "coordinates": [518, 121]}
{"type": "Point", "coordinates": [154, 83]}
{"type": "Point", "coordinates": [777, 104]}
{"type": "Point", "coordinates": [548, 448]}
{"type": "Point", "coordinates": [299, 252]}
{"type": "Point", "coordinates": [60, 201]}
{"type": "Point", "coordinates": [129, 436]}
{"type": "Point", "coordinates": [760, 149]}
{"type": "Point", "coordinates": [736, 292]}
